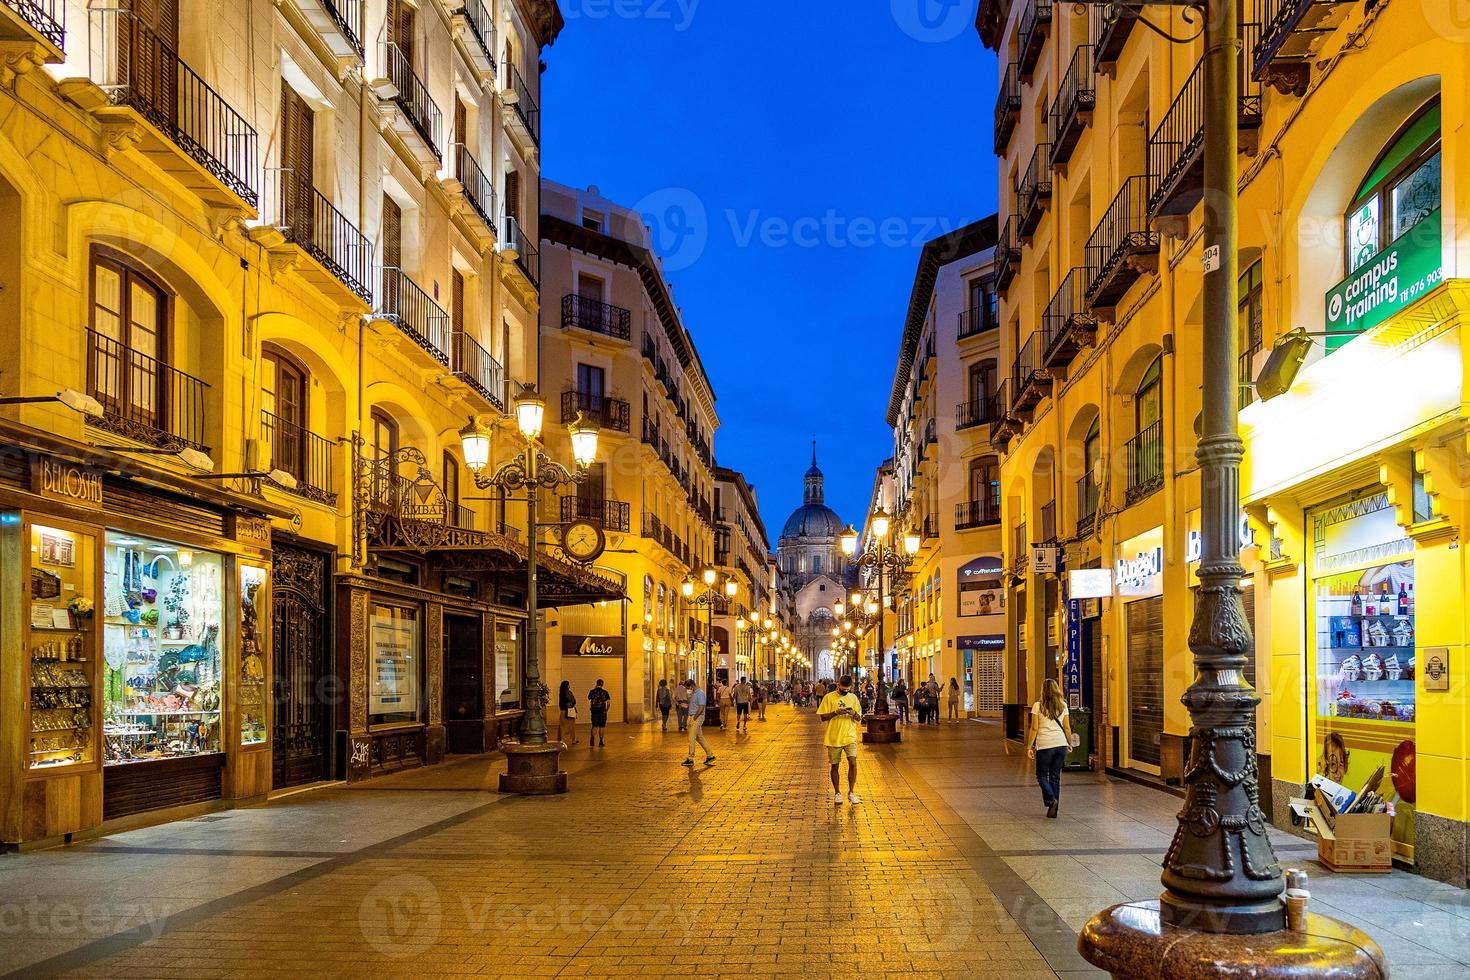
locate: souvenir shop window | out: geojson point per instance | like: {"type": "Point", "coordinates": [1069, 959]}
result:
{"type": "Point", "coordinates": [253, 720]}
{"type": "Point", "coordinates": [394, 672]}
{"type": "Point", "coordinates": [163, 679]}
{"type": "Point", "coordinates": [62, 648]}
{"type": "Point", "coordinates": [508, 664]}
{"type": "Point", "coordinates": [1365, 644]}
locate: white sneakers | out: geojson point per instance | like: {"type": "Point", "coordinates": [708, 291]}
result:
{"type": "Point", "coordinates": [854, 799]}
{"type": "Point", "coordinates": [836, 799]}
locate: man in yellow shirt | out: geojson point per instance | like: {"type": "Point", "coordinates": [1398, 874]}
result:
{"type": "Point", "coordinates": [842, 710]}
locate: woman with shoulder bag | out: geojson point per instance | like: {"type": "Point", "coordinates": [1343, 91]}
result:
{"type": "Point", "coordinates": [566, 702]}
{"type": "Point", "coordinates": [1048, 740]}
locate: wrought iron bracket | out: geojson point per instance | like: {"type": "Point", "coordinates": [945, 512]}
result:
{"type": "Point", "coordinates": [1116, 10]}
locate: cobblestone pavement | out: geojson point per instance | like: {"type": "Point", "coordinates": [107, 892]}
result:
{"type": "Point", "coordinates": [744, 869]}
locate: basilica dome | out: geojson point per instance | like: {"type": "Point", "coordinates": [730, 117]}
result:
{"type": "Point", "coordinates": [812, 521]}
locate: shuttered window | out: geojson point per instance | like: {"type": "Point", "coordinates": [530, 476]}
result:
{"type": "Point", "coordinates": [297, 152]}
{"type": "Point", "coordinates": [513, 194]}
{"type": "Point", "coordinates": [392, 233]}
{"type": "Point", "coordinates": [1145, 679]}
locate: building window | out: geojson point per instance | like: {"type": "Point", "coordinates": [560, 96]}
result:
{"type": "Point", "coordinates": [1401, 190]}
{"type": "Point", "coordinates": [283, 396]}
{"type": "Point", "coordinates": [451, 490]}
{"type": "Point", "coordinates": [1148, 404]}
{"type": "Point", "coordinates": [129, 350]}
{"type": "Point", "coordinates": [589, 287]}
{"type": "Point", "coordinates": [592, 220]}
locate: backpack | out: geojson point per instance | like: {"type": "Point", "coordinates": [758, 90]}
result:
{"type": "Point", "coordinates": [665, 699]}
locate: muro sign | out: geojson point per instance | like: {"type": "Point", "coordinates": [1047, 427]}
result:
{"type": "Point", "coordinates": [1400, 274]}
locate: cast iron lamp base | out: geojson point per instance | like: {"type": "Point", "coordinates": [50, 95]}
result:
{"type": "Point", "coordinates": [533, 770]}
{"type": "Point", "coordinates": [1133, 942]}
{"type": "Point", "coordinates": [881, 729]}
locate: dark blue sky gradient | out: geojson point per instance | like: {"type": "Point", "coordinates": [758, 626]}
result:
{"type": "Point", "coordinates": [824, 141]}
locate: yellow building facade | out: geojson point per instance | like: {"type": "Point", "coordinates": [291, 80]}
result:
{"type": "Point", "coordinates": [272, 255]}
{"type": "Point", "coordinates": [1351, 300]}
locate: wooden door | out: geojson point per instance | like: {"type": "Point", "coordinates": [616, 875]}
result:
{"type": "Point", "coordinates": [400, 30]}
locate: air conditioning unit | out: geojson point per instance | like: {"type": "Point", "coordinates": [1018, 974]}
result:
{"type": "Point", "coordinates": [509, 244]}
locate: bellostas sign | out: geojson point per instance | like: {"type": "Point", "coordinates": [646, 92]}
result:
{"type": "Point", "coordinates": [1400, 274]}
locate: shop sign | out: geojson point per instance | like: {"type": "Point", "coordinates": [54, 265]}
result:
{"type": "Point", "coordinates": [1437, 669]}
{"type": "Point", "coordinates": [1136, 576]}
{"type": "Point", "coordinates": [594, 646]}
{"type": "Point", "coordinates": [1090, 583]}
{"type": "Point", "coordinates": [1044, 559]}
{"type": "Point", "coordinates": [254, 531]}
{"type": "Point", "coordinates": [1194, 544]}
{"type": "Point", "coordinates": [993, 642]}
{"type": "Point", "coordinates": [1401, 273]}
{"type": "Point", "coordinates": [67, 483]}
{"type": "Point", "coordinates": [1074, 654]}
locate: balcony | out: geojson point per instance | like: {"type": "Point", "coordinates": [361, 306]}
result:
{"type": "Point", "coordinates": [1004, 424]}
{"type": "Point", "coordinates": [420, 319]}
{"type": "Point", "coordinates": [1031, 39]}
{"type": "Point", "coordinates": [931, 437]}
{"type": "Point", "coordinates": [519, 247]}
{"type": "Point", "coordinates": [979, 319]}
{"type": "Point", "coordinates": [1047, 523]}
{"type": "Point", "coordinates": [475, 367]}
{"type": "Point", "coordinates": [1145, 462]}
{"type": "Point", "coordinates": [338, 23]}
{"type": "Point", "coordinates": [522, 114]}
{"type": "Point", "coordinates": [929, 528]}
{"type": "Point", "coordinates": [1087, 500]}
{"type": "Point", "coordinates": [1007, 108]}
{"type": "Point", "coordinates": [1176, 148]}
{"type": "Point", "coordinates": [417, 114]}
{"type": "Point", "coordinates": [142, 398]}
{"type": "Point", "coordinates": [1110, 35]}
{"type": "Point", "coordinates": [595, 316]}
{"type": "Point", "coordinates": [1030, 381]}
{"type": "Point", "coordinates": [610, 515]}
{"type": "Point", "coordinates": [1007, 255]}
{"type": "Point", "coordinates": [1068, 325]}
{"type": "Point", "coordinates": [1123, 246]}
{"type": "Point", "coordinates": [341, 257]}
{"type": "Point", "coordinates": [33, 21]}
{"type": "Point", "coordinates": [460, 516]}
{"type": "Point", "coordinates": [1072, 111]}
{"type": "Point", "coordinates": [189, 130]}
{"type": "Point", "coordinates": [302, 453]}
{"type": "Point", "coordinates": [1020, 548]}
{"type": "Point", "coordinates": [1282, 52]}
{"type": "Point", "coordinates": [976, 513]}
{"type": "Point", "coordinates": [473, 23]}
{"type": "Point", "coordinates": [608, 413]}
{"type": "Point", "coordinates": [1033, 191]}
{"type": "Point", "coordinates": [967, 415]}
{"type": "Point", "coordinates": [476, 190]}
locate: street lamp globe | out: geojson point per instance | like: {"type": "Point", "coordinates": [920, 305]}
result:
{"type": "Point", "coordinates": [530, 412]}
{"type": "Point", "coordinates": [474, 442]}
{"type": "Point", "coordinates": [732, 588]}
{"type": "Point", "coordinates": [709, 575]}
{"type": "Point", "coordinates": [687, 588]}
{"type": "Point", "coordinates": [911, 542]}
{"type": "Point", "coordinates": [849, 541]}
{"type": "Point", "coordinates": [881, 523]}
{"type": "Point", "coordinates": [584, 441]}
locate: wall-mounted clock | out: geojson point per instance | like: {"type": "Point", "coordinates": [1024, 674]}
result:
{"type": "Point", "coordinates": [583, 541]}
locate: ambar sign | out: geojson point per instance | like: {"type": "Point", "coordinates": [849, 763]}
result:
{"type": "Point", "coordinates": [68, 483]}
{"type": "Point", "coordinates": [594, 646]}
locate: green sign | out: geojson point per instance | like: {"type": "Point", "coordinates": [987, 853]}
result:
{"type": "Point", "coordinates": [1397, 276]}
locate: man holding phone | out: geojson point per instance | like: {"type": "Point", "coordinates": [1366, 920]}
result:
{"type": "Point", "coordinates": [842, 711]}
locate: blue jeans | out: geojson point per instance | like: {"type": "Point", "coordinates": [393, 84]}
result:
{"type": "Point", "coordinates": [1049, 773]}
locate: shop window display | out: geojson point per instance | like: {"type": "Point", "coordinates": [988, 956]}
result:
{"type": "Point", "coordinates": [162, 613]}
{"type": "Point", "coordinates": [61, 648]}
{"type": "Point", "coordinates": [252, 656]}
{"type": "Point", "coordinates": [394, 678]}
{"type": "Point", "coordinates": [507, 664]}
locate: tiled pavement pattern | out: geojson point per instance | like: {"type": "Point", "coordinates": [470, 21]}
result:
{"type": "Point", "coordinates": [646, 869]}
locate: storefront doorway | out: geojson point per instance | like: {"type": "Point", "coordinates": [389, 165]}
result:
{"type": "Point", "coordinates": [464, 685]}
{"type": "Point", "coordinates": [1145, 625]}
{"type": "Point", "coordinates": [303, 678]}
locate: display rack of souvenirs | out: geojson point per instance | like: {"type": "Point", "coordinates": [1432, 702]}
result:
{"type": "Point", "coordinates": [1366, 632]}
{"type": "Point", "coordinates": [60, 668]}
{"type": "Point", "coordinates": [252, 661]}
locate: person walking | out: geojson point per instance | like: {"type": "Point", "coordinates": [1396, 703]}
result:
{"type": "Point", "coordinates": [665, 701]}
{"type": "Point", "coordinates": [681, 705]}
{"type": "Point", "coordinates": [722, 699]}
{"type": "Point", "coordinates": [566, 703]}
{"type": "Point", "coordinates": [697, 701]}
{"type": "Point", "coordinates": [762, 695]}
{"type": "Point", "coordinates": [901, 701]}
{"type": "Point", "coordinates": [932, 686]}
{"type": "Point", "coordinates": [841, 711]}
{"type": "Point", "coordinates": [742, 695]}
{"type": "Point", "coordinates": [952, 696]}
{"type": "Point", "coordinates": [1047, 742]}
{"type": "Point", "coordinates": [597, 701]}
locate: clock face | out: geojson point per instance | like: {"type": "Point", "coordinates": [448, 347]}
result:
{"type": "Point", "coordinates": [583, 541]}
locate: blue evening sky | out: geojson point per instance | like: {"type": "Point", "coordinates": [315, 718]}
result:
{"type": "Point", "coordinates": [792, 158]}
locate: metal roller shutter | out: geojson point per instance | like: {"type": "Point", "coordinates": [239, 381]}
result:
{"type": "Point", "coordinates": [1145, 679]}
{"type": "Point", "coordinates": [584, 673]}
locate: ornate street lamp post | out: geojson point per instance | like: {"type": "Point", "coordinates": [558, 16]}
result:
{"type": "Point", "coordinates": [881, 723]}
{"type": "Point", "coordinates": [532, 760]}
{"type": "Point", "coordinates": [707, 597]}
{"type": "Point", "coordinates": [1222, 910]}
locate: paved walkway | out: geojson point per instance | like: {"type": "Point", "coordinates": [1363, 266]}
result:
{"type": "Point", "coordinates": [645, 868]}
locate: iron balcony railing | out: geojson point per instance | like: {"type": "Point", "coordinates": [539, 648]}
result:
{"type": "Point", "coordinates": [979, 319]}
{"type": "Point", "coordinates": [1033, 190]}
{"type": "Point", "coordinates": [1067, 324]}
{"type": "Point", "coordinates": [931, 434]}
{"type": "Point", "coordinates": [476, 368]}
{"type": "Point", "coordinates": [1031, 39]}
{"type": "Point", "coordinates": [143, 398]}
{"type": "Point", "coordinates": [1007, 108]}
{"type": "Point", "coordinates": [1122, 237]}
{"type": "Point", "coordinates": [1176, 146]}
{"type": "Point", "coordinates": [967, 415]}
{"type": "Point", "coordinates": [1146, 462]}
{"type": "Point", "coordinates": [929, 528]}
{"type": "Point", "coordinates": [1029, 381]}
{"type": "Point", "coordinates": [302, 453]}
{"type": "Point", "coordinates": [653, 528]}
{"type": "Point", "coordinates": [347, 15]}
{"type": "Point", "coordinates": [1087, 500]}
{"type": "Point", "coordinates": [1020, 547]}
{"type": "Point", "coordinates": [528, 256]}
{"type": "Point", "coordinates": [310, 222]}
{"type": "Point", "coordinates": [1076, 98]}
{"type": "Point", "coordinates": [413, 98]}
{"type": "Point", "coordinates": [525, 106]}
{"type": "Point", "coordinates": [482, 28]}
{"type": "Point", "coordinates": [608, 413]}
{"type": "Point", "coordinates": [976, 513]}
{"type": "Point", "coordinates": [650, 352]}
{"type": "Point", "coordinates": [1287, 29]}
{"type": "Point", "coordinates": [479, 189]}
{"type": "Point", "coordinates": [1048, 520]}
{"type": "Point", "coordinates": [138, 70]}
{"type": "Point", "coordinates": [460, 516]}
{"type": "Point", "coordinates": [1111, 26]}
{"type": "Point", "coordinates": [1007, 254]}
{"type": "Point", "coordinates": [596, 316]}
{"type": "Point", "coordinates": [46, 17]}
{"type": "Point", "coordinates": [418, 316]}
{"type": "Point", "coordinates": [611, 515]}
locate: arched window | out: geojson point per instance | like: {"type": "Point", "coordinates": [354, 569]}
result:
{"type": "Point", "coordinates": [1087, 496]}
{"type": "Point", "coordinates": [1148, 403]}
{"type": "Point", "coordinates": [129, 342]}
{"type": "Point", "coordinates": [382, 445]}
{"type": "Point", "coordinates": [283, 399]}
{"type": "Point", "coordinates": [1401, 190]}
